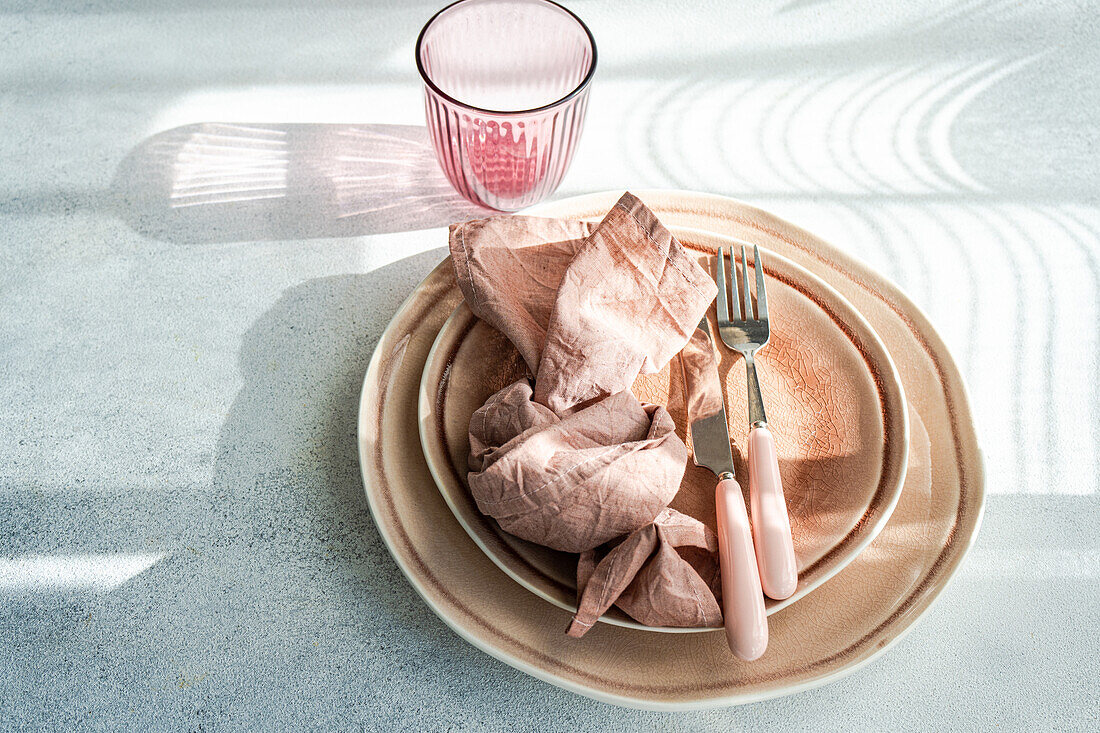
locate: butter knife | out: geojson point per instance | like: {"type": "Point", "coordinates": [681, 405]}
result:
{"type": "Point", "coordinates": [742, 599]}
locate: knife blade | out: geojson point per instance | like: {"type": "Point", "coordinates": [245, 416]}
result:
{"type": "Point", "coordinates": [706, 407]}
{"type": "Point", "coordinates": [746, 620]}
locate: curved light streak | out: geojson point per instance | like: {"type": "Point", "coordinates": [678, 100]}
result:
{"type": "Point", "coordinates": [939, 129]}
{"type": "Point", "coordinates": [910, 131]}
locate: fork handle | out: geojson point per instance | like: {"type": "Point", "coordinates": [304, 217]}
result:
{"type": "Point", "coordinates": [742, 601]}
{"type": "Point", "coordinates": [771, 526]}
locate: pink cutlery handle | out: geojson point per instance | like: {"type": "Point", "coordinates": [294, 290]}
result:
{"type": "Point", "coordinates": [742, 601]}
{"type": "Point", "coordinates": [771, 527]}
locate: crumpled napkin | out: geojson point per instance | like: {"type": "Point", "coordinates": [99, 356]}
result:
{"type": "Point", "coordinates": [573, 460]}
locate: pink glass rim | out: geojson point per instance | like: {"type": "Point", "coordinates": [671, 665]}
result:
{"type": "Point", "coordinates": [497, 112]}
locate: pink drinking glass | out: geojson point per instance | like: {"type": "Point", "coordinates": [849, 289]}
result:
{"type": "Point", "coordinates": [505, 88]}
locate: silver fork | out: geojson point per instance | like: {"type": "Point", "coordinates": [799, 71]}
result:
{"type": "Point", "coordinates": [771, 527]}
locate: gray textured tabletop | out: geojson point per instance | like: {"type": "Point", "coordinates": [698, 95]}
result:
{"type": "Point", "coordinates": [209, 211]}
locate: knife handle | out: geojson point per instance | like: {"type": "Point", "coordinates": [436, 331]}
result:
{"type": "Point", "coordinates": [771, 527]}
{"type": "Point", "coordinates": [742, 601]}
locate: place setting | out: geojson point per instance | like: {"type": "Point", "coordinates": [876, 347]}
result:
{"type": "Point", "coordinates": [661, 448]}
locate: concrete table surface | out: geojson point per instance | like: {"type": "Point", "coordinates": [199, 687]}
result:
{"type": "Point", "coordinates": [210, 210]}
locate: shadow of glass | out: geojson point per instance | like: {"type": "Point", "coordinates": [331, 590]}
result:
{"type": "Point", "coordinates": [221, 182]}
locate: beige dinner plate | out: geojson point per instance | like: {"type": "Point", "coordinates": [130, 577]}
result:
{"type": "Point", "coordinates": [843, 624]}
{"type": "Point", "coordinates": [835, 403]}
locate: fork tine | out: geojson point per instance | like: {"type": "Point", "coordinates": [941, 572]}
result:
{"type": "Point", "coordinates": [735, 299]}
{"type": "Point", "coordinates": [761, 291]}
{"type": "Point", "coordinates": [723, 302]}
{"type": "Point", "coordinates": [745, 280]}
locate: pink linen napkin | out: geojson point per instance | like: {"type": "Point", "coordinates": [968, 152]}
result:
{"type": "Point", "coordinates": [574, 461]}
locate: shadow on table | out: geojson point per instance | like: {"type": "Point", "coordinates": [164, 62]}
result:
{"type": "Point", "coordinates": [288, 488]}
{"type": "Point", "coordinates": [226, 182]}
{"type": "Point", "coordinates": [270, 575]}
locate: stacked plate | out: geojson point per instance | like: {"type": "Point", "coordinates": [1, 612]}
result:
{"type": "Point", "coordinates": [882, 508]}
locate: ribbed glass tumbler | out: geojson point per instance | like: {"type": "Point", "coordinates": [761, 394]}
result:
{"type": "Point", "coordinates": [505, 88]}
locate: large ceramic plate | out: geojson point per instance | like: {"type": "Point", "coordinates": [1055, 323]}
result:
{"type": "Point", "coordinates": [835, 404]}
{"type": "Point", "coordinates": [842, 625]}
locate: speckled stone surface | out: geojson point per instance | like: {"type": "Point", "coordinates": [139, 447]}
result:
{"type": "Point", "coordinates": [209, 211]}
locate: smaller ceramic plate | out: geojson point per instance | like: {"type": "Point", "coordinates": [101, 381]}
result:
{"type": "Point", "coordinates": [835, 404]}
